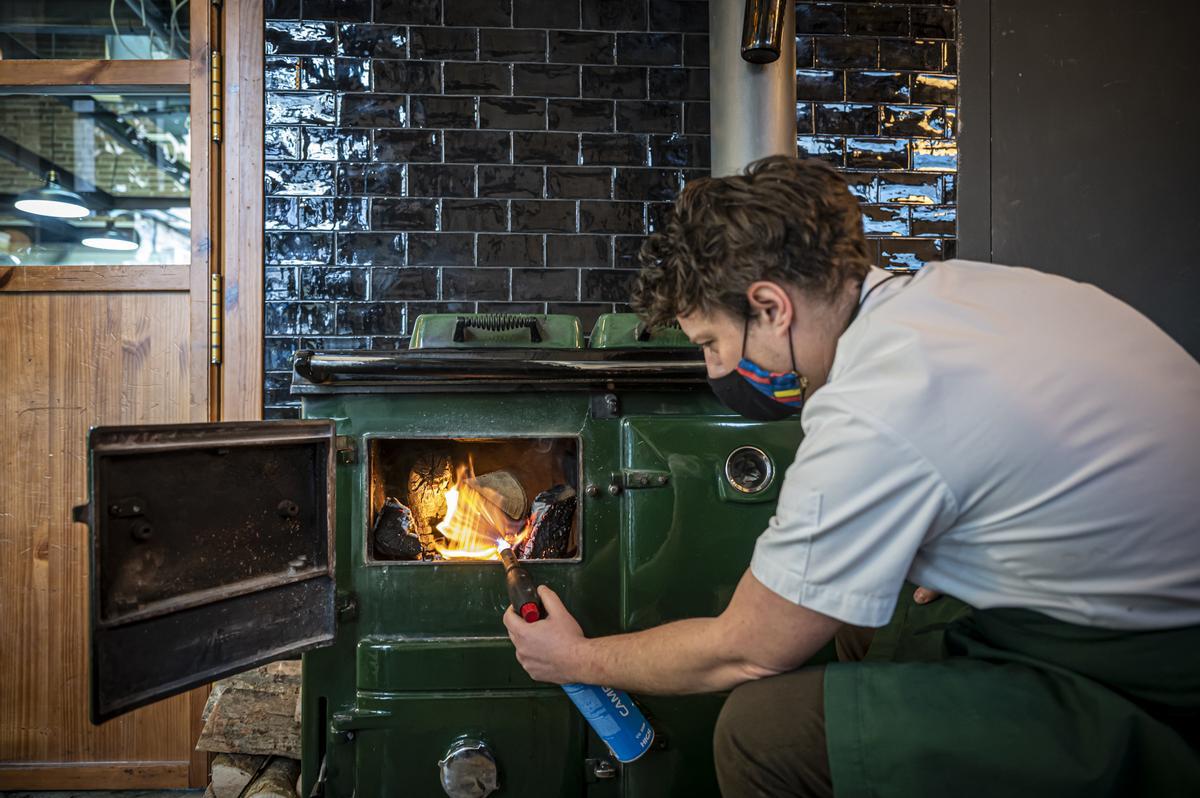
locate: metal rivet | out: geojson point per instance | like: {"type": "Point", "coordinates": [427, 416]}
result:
{"type": "Point", "coordinates": [592, 490]}
{"type": "Point", "coordinates": [614, 489]}
{"type": "Point", "coordinates": [662, 479]}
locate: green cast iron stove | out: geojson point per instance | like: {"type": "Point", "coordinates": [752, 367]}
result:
{"type": "Point", "coordinates": [626, 486]}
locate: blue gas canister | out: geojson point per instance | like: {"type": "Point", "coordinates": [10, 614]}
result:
{"type": "Point", "coordinates": [614, 718]}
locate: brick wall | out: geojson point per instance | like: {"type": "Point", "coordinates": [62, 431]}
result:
{"type": "Point", "coordinates": [509, 155]}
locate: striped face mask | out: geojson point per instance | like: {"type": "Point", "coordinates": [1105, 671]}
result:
{"type": "Point", "coordinates": [760, 395]}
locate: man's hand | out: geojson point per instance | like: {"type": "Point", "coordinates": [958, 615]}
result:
{"type": "Point", "coordinates": [549, 649]}
{"type": "Point", "coordinates": [924, 595]}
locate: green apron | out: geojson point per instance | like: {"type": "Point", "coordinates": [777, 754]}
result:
{"type": "Point", "coordinates": [1005, 702]}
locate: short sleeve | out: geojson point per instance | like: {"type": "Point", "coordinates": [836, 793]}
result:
{"type": "Point", "coordinates": [854, 509]}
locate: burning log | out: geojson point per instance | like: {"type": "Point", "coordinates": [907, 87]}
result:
{"type": "Point", "coordinates": [393, 532]}
{"type": "Point", "coordinates": [550, 521]}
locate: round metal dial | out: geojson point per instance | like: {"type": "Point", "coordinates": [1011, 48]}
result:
{"type": "Point", "coordinates": [749, 470]}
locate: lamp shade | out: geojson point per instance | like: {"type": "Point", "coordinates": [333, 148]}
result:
{"type": "Point", "coordinates": [113, 240]}
{"type": "Point", "coordinates": [52, 200]}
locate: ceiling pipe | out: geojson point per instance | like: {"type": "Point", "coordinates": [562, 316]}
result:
{"type": "Point", "coordinates": [753, 105]}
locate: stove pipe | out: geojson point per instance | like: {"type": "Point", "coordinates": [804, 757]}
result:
{"type": "Point", "coordinates": [753, 106]}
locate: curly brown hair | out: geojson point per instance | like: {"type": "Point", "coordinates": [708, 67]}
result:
{"type": "Point", "coordinates": [787, 220]}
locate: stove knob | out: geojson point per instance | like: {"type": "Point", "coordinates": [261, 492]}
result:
{"type": "Point", "coordinates": [468, 769]}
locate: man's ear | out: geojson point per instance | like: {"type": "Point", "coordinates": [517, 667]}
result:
{"type": "Point", "coordinates": [771, 301]}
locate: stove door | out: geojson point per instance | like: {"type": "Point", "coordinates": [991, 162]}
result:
{"type": "Point", "coordinates": [211, 552]}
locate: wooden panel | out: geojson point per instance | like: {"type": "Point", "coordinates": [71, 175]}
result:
{"type": "Point", "coordinates": [242, 217]}
{"type": "Point", "coordinates": [117, 76]}
{"type": "Point", "coordinates": [69, 361]}
{"type": "Point", "coordinates": [94, 278]}
{"type": "Point", "coordinates": [94, 776]}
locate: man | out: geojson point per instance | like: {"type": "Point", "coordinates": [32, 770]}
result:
{"type": "Point", "coordinates": [1023, 443]}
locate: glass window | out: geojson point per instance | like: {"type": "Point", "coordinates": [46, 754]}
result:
{"type": "Point", "coordinates": [94, 179]}
{"type": "Point", "coordinates": [94, 29]}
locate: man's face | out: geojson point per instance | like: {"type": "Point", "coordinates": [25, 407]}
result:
{"type": "Point", "coordinates": [719, 335]}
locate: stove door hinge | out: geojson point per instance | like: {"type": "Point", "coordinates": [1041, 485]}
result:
{"type": "Point", "coordinates": [595, 770]}
{"type": "Point", "coordinates": [347, 449]}
{"type": "Point", "coordinates": [215, 316]}
{"type": "Point", "coordinates": [636, 478]}
{"type": "Point", "coordinates": [605, 405]}
{"type": "Point", "coordinates": [215, 109]}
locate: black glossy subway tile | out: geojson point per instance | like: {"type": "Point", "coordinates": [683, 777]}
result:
{"type": "Point", "coordinates": [614, 15]}
{"type": "Point", "coordinates": [460, 112]}
{"type": "Point", "coordinates": [863, 185]}
{"type": "Point", "coordinates": [441, 249]}
{"type": "Point", "coordinates": [511, 249]}
{"type": "Point", "coordinates": [289, 178]}
{"type": "Point", "coordinates": [696, 119]}
{"type": "Point", "coordinates": [404, 283]}
{"type": "Point", "coordinates": [512, 113]}
{"type": "Point", "coordinates": [363, 40]}
{"type": "Point", "coordinates": [679, 151]}
{"type": "Point", "coordinates": [845, 51]}
{"type": "Point", "coordinates": [325, 282]}
{"type": "Point", "coordinates": [337, 10]}
{"type": "Point", "coordinates": [912, 120]}
{"type": "Point", "coordinates": [588, 312]}
{"type": "Point", "coordinates": [911, 189]}
{"type": "Point", "coordinates": [478, 13]}
{"type": "Point", "coordinates": [352, 74]}
{"type": "Point", "coordinates": [885, 220]}
{"type": "Point", "coordinates": [933, 23]}
{"type": "Point", "coordinates": [443, 43]}
{"type": "Point", "coordinates": [478, 146]}
{"type": "Point", "coordinates": [300, 38]}
{"type": "Point", "coordinates": [544, 14]}
{"type": "Point", "coordinates": [334, 144]}
{"type": "Point", "coordinates": [935, 89]}
{"type": "Point", "coordinates": [502, 44]}
{"type": "Point", "coordinates": [281, 213]}
{"type": "Point", "coordinates": [399, 213]}
{"type": "Point", "coordinates": [820, 84]}
{"type": "Point", "coordinates": [647, 184]}
{"type": "Point", "coordinates": [298, 249]}
{"type": "Point", "coordinates": [909, 54]}
{"type": "Point", "coordinates": [930, 155]}
{"type": "Point", "coordinates": [583, 115]}
{"type": "Point", "coordinates": [281, 143]}
{"type": "Point", "coordinates": [408, 12]}
{"type": "Point", "coordinates": [475, 284]}
{"type": "Point", "coordinates": [908, 253]}
{"type": "Point", "coordinates": [847, 119]}
{"type": "Point", "coordinates": [828, 148]}
{"type": "Point", "coordinates": [281, 9]}
{"type": "Point", "coordinates": [877, 20]}
{"type": "Point", "coordinates": [407, 145]}
{"type": "Point", "coordinates": [370, 249]}
{"type": "Point", "coordinates": [544, 285]}
{"type": "Point", "coordinates": [578, 251]}
{"type": "Point", "coordinates": [601, 216]}
{"type": "Point", "coordinates": [638, 116]}
{"type": "Point", "coordinates": [543, 216]}
{"type": "Point", "coordinates": [474, 215]}
{"type": "Point", "coordinates": [281, 73]}
{"type": "Point", "coordinates": [324, 213]}
{"type": "Point", "coordinates": [616, 149]}
{"type": "Point", "coordinates": [364, 318]}
{"type": "Point", "coordinates": [478, 79]}
{"type": "Point", "coordinates": [804, 118]}
{"type": "Point", "coordinates": [546, 80]}
{"type": "Point", "coordinates": [876, 153]}
{"type": "Point", "coordinates": [820, 18]}
{"type": "Point", "coordinates": [579, 182]}
{"type": "Point", "coordinates": [299, 108]}
{"type": "Point", "coordinates": [649, 49]}
{"type": "Point", "coordinates": [279, 318]}
{"type": "Point", "coordinates": [934, 220]}
{"type": "Point", "coordinates": [878, 85]}
{"type": "Point", "coordinates": [695, 50]}
{"type": "Point", "coordinates": [581, 47]}
{"type": "Point", "coordinates": [510, 181]}
{"type": "Point", "coordinates": [278, 353]}
{"type": "Point", "coordinates": [375, 179]}
{"type": "Point", "coordinates": [372, 110]}
{"type": "Point", "coordinates": [441, 180]}
{"type": "Point", "coordinates": [679, 84]}
{"type": "Point", "coordinates": [606, 285]}
{"type": "Point", "coordinates": [805, 49]}
{"type": "Point", "coordinates": [314, 318]}
{"type": "Point", "coordinates": [407, 77]}
{"type": "Point", "coordinates": [616, 83]}
{"type": "Point", "coordinates": [625, 251]}
{"type": "Point", "coordinates": [658, 215]}
{"type": "Point", "coordinates": [545, 148]}
{"type": "Point", "coordinates": [687, 16]}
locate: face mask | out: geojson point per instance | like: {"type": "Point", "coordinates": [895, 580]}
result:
{"type": "Point", "coordinates": [760, 395]}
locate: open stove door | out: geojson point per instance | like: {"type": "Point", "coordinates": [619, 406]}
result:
{"type": "Point", "coordinates": [211, 552]}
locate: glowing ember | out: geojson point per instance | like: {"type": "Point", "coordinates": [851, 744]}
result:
{"type": "Point", "coordinates": [474, 522]}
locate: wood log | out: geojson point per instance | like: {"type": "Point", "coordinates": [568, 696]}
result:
{"type": "Point", "coordinates": [278, 780]}
{"type": "Point", "coordinates": [254, 713]}
{"type": "Point", "coordinates": [232, 772]}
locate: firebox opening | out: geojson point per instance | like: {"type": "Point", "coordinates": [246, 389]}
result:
{"type": "Point", "coordinates": [452, 499]}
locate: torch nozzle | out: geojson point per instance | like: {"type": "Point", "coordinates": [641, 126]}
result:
{"type": "Point", "coordinates": [522, 592]}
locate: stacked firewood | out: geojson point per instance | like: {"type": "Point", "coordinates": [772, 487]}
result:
{"type": "Point", "coordinates": [252, 724]}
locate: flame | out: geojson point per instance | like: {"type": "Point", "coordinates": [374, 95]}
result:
{"type": "Point", "coordinates": [474, 525]}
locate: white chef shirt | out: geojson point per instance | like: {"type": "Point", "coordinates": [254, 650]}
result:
{"type": "Point", "coordinates": [1004, 436]}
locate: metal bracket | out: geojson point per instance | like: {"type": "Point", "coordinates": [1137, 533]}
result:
{"type": "Point", "coordinates": [605, 405]}
{"type": "Point", "coordinates": [598, 769]}
{"type": "Point", "coordinates": [347, 449]}
{"type": "Point", "coordinates": [347, 607]}
{"type": "Point", "coordinates": [633, 478]}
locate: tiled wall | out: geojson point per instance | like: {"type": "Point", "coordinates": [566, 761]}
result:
{"type": "Point", "coordinates": [492, 155]}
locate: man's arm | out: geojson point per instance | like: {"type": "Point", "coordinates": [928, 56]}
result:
{"type": "Point", "coordinates": [759, 634]}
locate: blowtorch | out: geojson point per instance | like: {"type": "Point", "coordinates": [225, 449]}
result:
{"type": "Point", "coordinates": [612, 714]}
